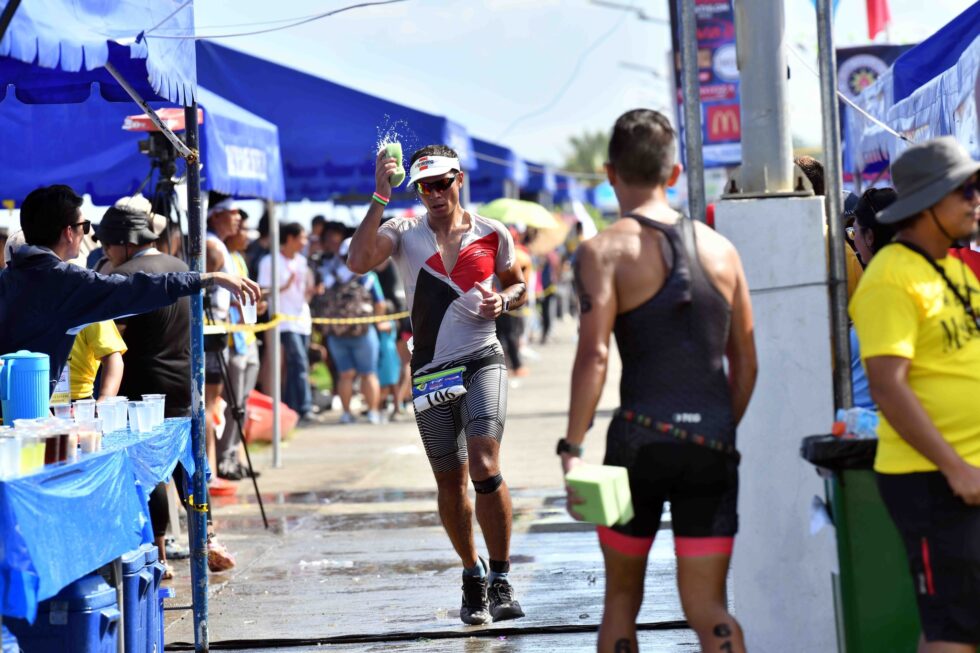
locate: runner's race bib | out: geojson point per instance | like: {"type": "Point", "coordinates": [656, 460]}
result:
{"type": "Point", "coordinates": [438, 388]}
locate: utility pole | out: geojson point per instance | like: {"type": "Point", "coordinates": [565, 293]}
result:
{"type": "Point", "coordinates": [833, 180]}
{"type": "Point", "coordinates": [767, 146]}
{"type": "Point", "coordinates": [692, 109]}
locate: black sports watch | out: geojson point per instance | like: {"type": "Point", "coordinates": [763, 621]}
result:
{"type": "Point", "coordinates": [564, 446]}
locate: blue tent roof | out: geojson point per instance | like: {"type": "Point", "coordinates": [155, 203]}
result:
{"type": "Point", "coordinates": [54, 49]}
{"type": "Point", "coordinates": [568, 189]}
{"type": "Point", "coordinates": [498, 165]}
{"type": "Point", "coordinates": [540, 179]}
{"type": "Point", "coordinates": [83, 145]}
{"type": "Point", "coordinates": [328, 133]}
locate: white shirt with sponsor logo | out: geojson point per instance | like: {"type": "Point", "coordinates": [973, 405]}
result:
{"type": "Point", "coordinates": [445, 303]}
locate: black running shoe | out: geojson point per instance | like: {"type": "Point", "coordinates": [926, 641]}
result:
{"type": "Point", "coordinates": [475, 610]}
{"type": "Point", "coordinates": [503, 605]}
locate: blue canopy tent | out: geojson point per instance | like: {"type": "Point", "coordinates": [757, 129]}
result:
{"type": "Point", "coordinates": [541, 184]}
{"type": "Point", "coordinates": [568, 189]}
{"type": "Point", "coordinates": [333, 131]}
{"type": "Point", "coordinates": [929, 91]}
{"type": "Point", "coordinates": [44, 145]}
{"type": "Point", "coordinates": [500, 170]}
{"type": "Point", "coordinates": [51, 53]}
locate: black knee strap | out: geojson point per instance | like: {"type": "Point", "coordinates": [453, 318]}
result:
{"type": "Point", "coordinates": [488, 486]}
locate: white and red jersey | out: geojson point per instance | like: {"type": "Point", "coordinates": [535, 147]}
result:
{"type": "Point", "coordinates": [445, 304]}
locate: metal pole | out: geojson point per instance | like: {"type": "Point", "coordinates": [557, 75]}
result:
{"type": "Point", "coordinates": [767, 146]}
{"type": "Point", "coordinates": [843, 392]}
{"type": "Point", "coordinates": [185, 151]}
{"type": "Point", "coordinates": [7, 16]}
{"type": "Point", "coordinates": [197, 515]}
{"type": "Point", "coordinates": [276, 361]}
{"type": "Point", "coordinates": [692, 109]}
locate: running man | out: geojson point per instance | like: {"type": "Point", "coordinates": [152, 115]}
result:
{"type": "Point", "coordinates": [447, 260]}
{"type": "Point", "coordinates": [674, 292]}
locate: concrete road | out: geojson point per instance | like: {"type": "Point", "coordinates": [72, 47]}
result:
{"type": "Point", "coordinates": [356, 559]}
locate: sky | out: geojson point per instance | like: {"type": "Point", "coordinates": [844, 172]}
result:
{"type": "Point", "coordinates": [526, 73]}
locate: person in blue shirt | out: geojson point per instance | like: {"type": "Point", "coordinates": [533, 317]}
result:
{"type": "Point", "coordinates": [868, 236]}
{"type": "Point", "coordinates": [44, 300]}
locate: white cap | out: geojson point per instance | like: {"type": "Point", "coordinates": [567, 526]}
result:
{"type": "Point", "coordinates": [227, 204]}
{"type": "Point", "coordinates": [432, 166]}
{"type": "Point", "coordinates": [344, 247]}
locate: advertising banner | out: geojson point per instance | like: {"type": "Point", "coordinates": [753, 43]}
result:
{"type": "Point", "coordinates": [721, 124]}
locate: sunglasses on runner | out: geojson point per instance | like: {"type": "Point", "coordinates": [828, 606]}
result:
{"type": "Point", "coordinates": [440, 185]}
{"type": "Point", "coordinates": [970, 189]}
{"type": "Point", "coordinates": [86, 226]}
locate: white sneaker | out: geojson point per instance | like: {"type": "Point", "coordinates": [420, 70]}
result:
{"type": "Point", "coordinates": [347, 418]}
{"type": "Point", "coordinates": [374, 417]}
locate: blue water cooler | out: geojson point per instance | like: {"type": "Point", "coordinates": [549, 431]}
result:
{"type": "Point", "coordinates": [154, 607]}
{"type": "Point", "coordinates": [24, 385]}
{"type": "Point", "coordinates": [81, 618]}
{"type": "Point", "coordinates": [137, 584]}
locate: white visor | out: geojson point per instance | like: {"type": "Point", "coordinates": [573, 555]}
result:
{"type": "Point", "coordinates": [433, 166]}
{"type": "Point", "coordinates": [227, 204]}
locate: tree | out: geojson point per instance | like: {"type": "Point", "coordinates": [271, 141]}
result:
{"type": "Point", "coordinates": [588, 152]}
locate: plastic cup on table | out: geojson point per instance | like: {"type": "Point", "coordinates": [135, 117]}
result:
{"type": "Point", "coordinates": [72, 446]}
{"type": "Point", "coordinates": [84, 409]}
{"type": "Point", "coordinates": [9, 455]}
{"type": "Point", "coordinates": [249, 312]}
{"type": "Point", "coordinates": [51, 441]}
{"type": "Point", "coordinates": [90, 436]}
{"type": "Point", "coordinates": [113, 415]}
{"type": "Point", "coordinates": [144, 415]}
{"type": "Point", "coordinates": [61, 411]}
{"type": "Point", "coordinates": [134, 421]}
{"type": "Point", "coordinates": [158, 401]}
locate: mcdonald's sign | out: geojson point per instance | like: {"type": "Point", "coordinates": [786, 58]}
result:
{"type": "Point", "coordinates": [723, 122]}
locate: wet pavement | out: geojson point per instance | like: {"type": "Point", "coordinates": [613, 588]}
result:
{"type": "Point", "coordinates": [356, 559]}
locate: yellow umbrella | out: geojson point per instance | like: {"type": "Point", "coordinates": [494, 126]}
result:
{"type": "Point", "coordinates": [529, 214]}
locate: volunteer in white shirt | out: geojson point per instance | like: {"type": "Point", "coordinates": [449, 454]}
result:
{"type": "Point", "coordinates": [295, 329]}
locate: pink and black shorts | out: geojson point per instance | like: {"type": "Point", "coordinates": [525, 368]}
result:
{"type": "Point", "coordinates": [701, 486]}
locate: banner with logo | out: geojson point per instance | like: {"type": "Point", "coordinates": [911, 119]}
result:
{"type": "Point", "coordinates": [721, 123]}
{"type": "Point", "coordinates": [857, 69]}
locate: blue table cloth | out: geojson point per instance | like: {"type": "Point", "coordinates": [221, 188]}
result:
{"type": "Point", "coordinates": [67, 520]}
{"type": "Point", "coordinates": [154, 455]}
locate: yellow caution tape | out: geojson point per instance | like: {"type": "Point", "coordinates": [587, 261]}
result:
{"type": "Point", "coordinates": [226, 327]}
{"type": "Point", "coordinates": [216, 328]}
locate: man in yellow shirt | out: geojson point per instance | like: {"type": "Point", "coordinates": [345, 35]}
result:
{"type": "Point", "coordinates": [97, 345]}
{"type": "Point", "coordinates": [919, 330]}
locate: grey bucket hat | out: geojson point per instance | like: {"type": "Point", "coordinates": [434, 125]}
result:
{"type": "Point", "coordinates": [124, 225]}
{"type": "Point", "coordinates": [926, 173]}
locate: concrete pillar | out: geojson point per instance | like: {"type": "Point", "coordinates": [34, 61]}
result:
{"type": "Point", "coordinates": [767, 149]}
{"type": "Point", "coordinates": [782, 586]}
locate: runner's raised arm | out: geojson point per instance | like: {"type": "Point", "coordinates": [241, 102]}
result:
{"type": "Point", "coordinates": [368, 249]}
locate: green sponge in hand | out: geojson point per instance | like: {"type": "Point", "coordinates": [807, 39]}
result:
{"type": "Point", "coordinates": [606, 492]}
{"type": "Point", "coordinates": [394, 151]}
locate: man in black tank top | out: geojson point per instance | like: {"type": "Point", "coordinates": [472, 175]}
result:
{"type": "Point", "coordinates": [675, 294]}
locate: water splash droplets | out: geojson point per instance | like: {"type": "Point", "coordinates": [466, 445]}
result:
{"type": "Point", "coordinates": [396, 131]}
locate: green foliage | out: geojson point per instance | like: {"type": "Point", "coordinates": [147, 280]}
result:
{"type": "Point", "coordinates": [588, 152]}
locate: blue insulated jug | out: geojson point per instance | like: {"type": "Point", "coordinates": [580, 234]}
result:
{"type": "Point", "coordinates": [24, 386]}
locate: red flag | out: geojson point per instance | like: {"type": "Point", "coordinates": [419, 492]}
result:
{"type": "Point", "coordinates": [878, 17]}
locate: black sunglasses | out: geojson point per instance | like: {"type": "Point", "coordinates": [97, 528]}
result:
{"type": "Point", "coordinates": [970, 189]}
{"type": "Point", "coordinates": [86, 226]}
{"type": "Point", "coordinates": [440, 185]}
